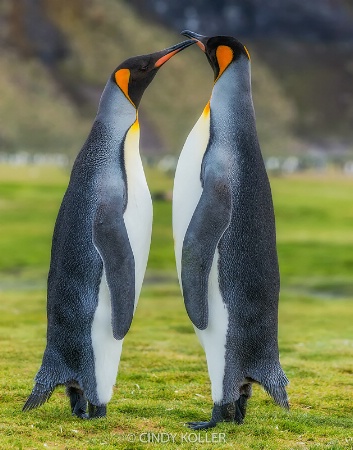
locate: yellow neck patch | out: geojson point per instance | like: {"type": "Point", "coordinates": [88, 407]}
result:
{"type": "Point", "coordinates": [247, 52]}
{"type": "Point", "coordinates": [224, 56]}
{"type": "Point", "coordinates": [135, 127]}
{"type": "Point", "coordinates": [122, 78]}
{"type": "Point", "coordinates": [206, 110]}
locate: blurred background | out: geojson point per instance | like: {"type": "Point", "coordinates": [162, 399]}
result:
{"type": "Point", "coordinates": [56, 57]}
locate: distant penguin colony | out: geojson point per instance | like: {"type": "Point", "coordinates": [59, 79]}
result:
{"type": "Point", "coordinates": [100, 248]}
{"type": "Point", "coordinates": [225, 243]}
{"type": "Point", "coordinates": [224, 234]}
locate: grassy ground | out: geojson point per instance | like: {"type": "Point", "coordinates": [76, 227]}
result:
{"type": "Point", "coordinates": [162, 380]}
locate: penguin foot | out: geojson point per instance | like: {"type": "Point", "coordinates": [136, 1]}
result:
{"type": "Point", "coordinates": [95, 412]}
{"type": "Point", "coordinates": [78, 402]}
{"type": "Point", "coordinates": [80, 413]}
{"type": "Point", "coordinates": [240, 409]}
{"type": "Point", "coordinates": [220, 413]}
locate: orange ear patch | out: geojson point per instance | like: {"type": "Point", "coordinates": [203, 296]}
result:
{"type": "Point", "coordinates": [122, 78]}
{"type": "Point", "coordinates": [224, 56]}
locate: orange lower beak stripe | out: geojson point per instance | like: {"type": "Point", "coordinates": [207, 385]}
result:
{"type": "Point", "coordinates": [165, 58]}
{"type": "Point", "coordinates": [200, 44]}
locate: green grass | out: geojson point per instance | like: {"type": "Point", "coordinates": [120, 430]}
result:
{"type": "Point", "coordinates": [314, 229]}
{"type": "Point", "coordinates": [163, 380]}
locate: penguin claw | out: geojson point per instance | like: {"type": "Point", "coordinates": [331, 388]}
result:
{"type": "Point", "coordinates": [96, 412]}
{"type": "Point", "coordinates": [83, 416]}
{"type": "Point", "coordinates": [201, 425]}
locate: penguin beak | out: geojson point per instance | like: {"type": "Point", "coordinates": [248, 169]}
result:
{"type": "Point", "coordinates": [198, 38]}
{"type": "Point", "coordinates": [165, 55]}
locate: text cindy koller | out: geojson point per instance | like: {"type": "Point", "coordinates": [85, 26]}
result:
{"type": "Point", "coordinates": [164, 438]}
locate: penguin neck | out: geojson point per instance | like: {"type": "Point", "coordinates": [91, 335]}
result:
{"type": "Point", "coordinates": [233, 121]}
{"type": "Point", "coordinates": [115, 111]}
{"type": "Point", "coordinates": [233, 89]}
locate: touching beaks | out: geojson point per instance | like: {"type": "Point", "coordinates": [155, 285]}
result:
{"type": "Point", "coordinates": [198, 38]}
{"type": "Point", "coordinates": [166, 54]}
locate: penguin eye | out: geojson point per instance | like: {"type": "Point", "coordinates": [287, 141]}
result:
{"type": "Point", "coordinates": [144, 67]}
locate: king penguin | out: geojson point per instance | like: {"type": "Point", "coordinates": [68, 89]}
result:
{"type": "Point", "coordinates": [100, 248]}
{"type": "Point", "coordinates": [225, 242]}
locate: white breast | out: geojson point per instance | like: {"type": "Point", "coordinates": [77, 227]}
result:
{"type": "Point", "coordinates": [187, 185]}
{"type": "Point", "coordinates": [106, 349]}
{"type": "Point", "coordinates": [213, 338]}
{"type": "Point", "coordinates": [138, 222]}
{"type": "Point", "coordinates": [186, 195]}
{"type": "Point", "coordinates": [138, 213]}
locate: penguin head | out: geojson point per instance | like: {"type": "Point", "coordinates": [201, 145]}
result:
{"type": "Point", "coordinates": [220, 51]}
{"type": "Point", "coordinates": [136, 73]}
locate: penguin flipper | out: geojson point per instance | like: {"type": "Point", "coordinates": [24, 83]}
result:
{"type": "Point", "coordinates": [112, 242]}
{"type": "Point", "coordinates": [208, 223]}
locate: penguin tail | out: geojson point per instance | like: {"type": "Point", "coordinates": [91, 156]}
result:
{"type": "Point", "coordinates": [39, 395]}
{"type": "Point", "coordinates": [279, 395]}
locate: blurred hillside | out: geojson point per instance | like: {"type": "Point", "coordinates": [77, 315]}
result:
{"type": "Point", "coordinates": [306, 46]}
{"type": "Point", "coordinates": [56, 57]}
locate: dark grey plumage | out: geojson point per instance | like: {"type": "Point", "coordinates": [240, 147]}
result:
{"type": "Point", "coordinates": [76, 268]}
{"type": "Point", "coordinates": [99, 249]}
{"type": "Point", "coordinates": [235, 217]}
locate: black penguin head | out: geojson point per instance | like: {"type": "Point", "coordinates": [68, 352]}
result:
{"type": "Point", "coordinates": [220, 50]}
{"type": "Point", "coordinates": [136, 73]}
